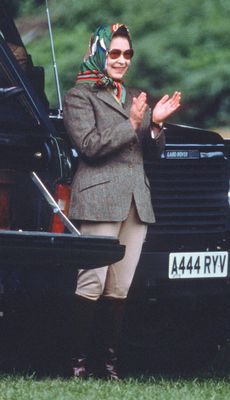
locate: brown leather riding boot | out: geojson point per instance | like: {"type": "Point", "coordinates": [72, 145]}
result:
{"type": "Point", "coordinates": [84, 311]}
{"type": "Point", "coordinates": [113, 317]}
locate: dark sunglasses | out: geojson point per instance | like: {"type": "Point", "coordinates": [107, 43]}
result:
{"type": "Point", "coordinates": [116, 53]}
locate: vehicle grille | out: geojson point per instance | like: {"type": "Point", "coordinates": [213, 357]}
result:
{"type": "Point", "coordinates": [189, 196]}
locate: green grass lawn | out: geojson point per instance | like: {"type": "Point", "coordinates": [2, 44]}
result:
{"type": "Point", "coordinates": [26, 388]}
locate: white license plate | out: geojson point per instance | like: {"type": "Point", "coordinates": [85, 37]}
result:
{"type": "Point", "coordinates": [209, 264]}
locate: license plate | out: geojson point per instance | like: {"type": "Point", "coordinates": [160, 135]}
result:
{"type": "Point", "coordinates": [211, 264]}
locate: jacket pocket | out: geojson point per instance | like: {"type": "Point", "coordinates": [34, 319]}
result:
{"type": "Point", "coordinates": [93, 181]}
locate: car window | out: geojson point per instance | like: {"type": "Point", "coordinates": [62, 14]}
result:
{"type": "Point", "coordinates": [23, 102]}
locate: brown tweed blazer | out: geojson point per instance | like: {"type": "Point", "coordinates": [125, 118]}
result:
{"type": "Point", "coordinates": [110, 170]}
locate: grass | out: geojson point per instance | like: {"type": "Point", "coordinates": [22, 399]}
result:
{"type": "Point", "coordinates": [30, 388]}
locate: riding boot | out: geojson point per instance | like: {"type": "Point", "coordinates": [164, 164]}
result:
{"type": "Point", "coordinates": [113, 317]}
{"type": "Point", "coordinates": [83, 319]}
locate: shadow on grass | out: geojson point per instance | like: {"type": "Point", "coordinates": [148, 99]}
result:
{"type": "Point", "coordinates": [144, 365]}
{"type": "Point", "coordinates": [140, 366]}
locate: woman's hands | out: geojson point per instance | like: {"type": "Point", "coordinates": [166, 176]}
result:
{"type": "Point", "coordinates": [165, 107]}
{"type": "Point", "coordinates": [137, 110]}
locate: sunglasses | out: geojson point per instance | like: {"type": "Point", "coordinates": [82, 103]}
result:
{"type": "Point", "coordinates": [116, 53]}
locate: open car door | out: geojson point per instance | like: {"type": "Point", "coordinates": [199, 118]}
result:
{"type": "Point", "coordinates": [29, 142]}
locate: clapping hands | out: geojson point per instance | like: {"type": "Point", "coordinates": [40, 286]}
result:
{"type": "Point", "coordinates": [165, 107]}
{"type": "Point", "coordinates": [137, 110]}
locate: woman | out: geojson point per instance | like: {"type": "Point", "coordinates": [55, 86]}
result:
{"type": "Point", "coordinates": [108, 124]}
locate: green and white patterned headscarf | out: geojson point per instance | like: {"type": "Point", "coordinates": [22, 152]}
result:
{"type": "Point", "coordinates": [92, 70]}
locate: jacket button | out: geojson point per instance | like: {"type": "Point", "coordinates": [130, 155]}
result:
{"type": "Point", "coordinates": [130, 146]}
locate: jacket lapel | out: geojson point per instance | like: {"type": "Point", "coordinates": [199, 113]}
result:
{"type": "Point", "coordinates": [110, 100]}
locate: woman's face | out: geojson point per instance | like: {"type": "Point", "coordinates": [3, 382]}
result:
{"type": "Point", "coordinates": [116, 68]}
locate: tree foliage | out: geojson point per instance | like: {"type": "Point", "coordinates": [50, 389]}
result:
{"type": "Point", "coordinates": [178, 46]}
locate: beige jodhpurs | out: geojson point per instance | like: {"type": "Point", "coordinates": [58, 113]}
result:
{"type": "Point", "coordinates": [113, 280]}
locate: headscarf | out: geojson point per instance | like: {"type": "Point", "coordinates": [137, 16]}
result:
{"type": "Point", "coordinates": [92, 69]}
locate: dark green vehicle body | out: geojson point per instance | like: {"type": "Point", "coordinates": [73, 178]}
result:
{"type": "Point", "coordinates": [186, 297]}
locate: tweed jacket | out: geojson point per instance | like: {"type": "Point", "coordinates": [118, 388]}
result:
{"type": "Point", "coordinates": [110, 170]}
